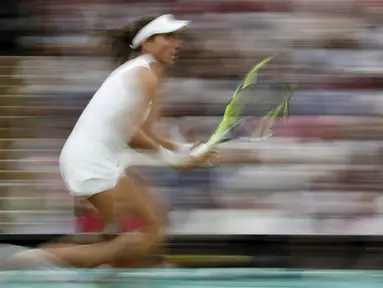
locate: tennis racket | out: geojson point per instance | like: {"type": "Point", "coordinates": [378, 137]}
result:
{"type": "Point", "coordinates": [257, 104]}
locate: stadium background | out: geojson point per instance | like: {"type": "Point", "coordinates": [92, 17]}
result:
{"type": "Point", "coordinates": [320, 176]}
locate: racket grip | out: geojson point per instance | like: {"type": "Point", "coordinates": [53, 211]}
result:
{"type": "Point", "coordinates": [201, 150]}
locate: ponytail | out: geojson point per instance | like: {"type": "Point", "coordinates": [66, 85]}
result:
{"type": "Point", "coordinates": [121, 40]}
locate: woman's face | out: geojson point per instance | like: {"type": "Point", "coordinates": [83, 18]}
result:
{"type": "Point", "coordinates": [164, 47]}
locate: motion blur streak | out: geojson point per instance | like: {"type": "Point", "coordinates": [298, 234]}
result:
{"type": "Point", "coordinates": [320, 174]}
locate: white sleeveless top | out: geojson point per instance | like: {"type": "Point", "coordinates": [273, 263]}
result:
{"type": "Point", "coordinates": [108, 122]}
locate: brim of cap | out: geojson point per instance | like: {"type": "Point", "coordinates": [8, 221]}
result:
{"type": "Point", "coordinates": [174, 26]}
{"type": "Point", "coordinates": [162, 25]}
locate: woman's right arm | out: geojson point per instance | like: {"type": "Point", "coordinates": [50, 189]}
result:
{"type": "Point", "coordinates": [141, 140]}
{"type": "Point", "coordinates": [148, 85]}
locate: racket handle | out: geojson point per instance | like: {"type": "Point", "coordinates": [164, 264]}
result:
{"type": "Point", "coordinates": [201, 150]}
{"type": "Point", "coordinates": [171, 158]}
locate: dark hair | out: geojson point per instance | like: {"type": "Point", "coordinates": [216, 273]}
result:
{"type": "Point", "coordinates": [121, 39]}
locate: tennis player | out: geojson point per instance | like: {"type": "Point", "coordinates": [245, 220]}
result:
{"type": "Point", "coordinates": [120, 116]}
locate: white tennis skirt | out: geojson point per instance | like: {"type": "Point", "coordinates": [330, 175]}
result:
{"type": "Point", "coordinates": [92, 171]}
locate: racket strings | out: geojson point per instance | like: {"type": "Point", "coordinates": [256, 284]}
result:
{"type": "Point", "coordinates": [259, 96]}
{"type": "Point", "coordinates": [258, 100]}
{"type": "Point", "coordinates": [256, 109]}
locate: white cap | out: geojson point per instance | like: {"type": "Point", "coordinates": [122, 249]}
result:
{"type": "Point", "coordinates": [161, 25]}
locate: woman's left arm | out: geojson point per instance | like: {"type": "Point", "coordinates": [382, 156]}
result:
{"type": "Point", "coordinates": [149, 128]}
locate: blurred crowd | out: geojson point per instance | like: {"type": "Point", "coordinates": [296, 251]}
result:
{"type": "Point", "coordinates": [321, 173]}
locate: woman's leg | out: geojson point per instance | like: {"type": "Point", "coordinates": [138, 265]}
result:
{"type": "Point", "coordinates": [93, 255]}
{"type": "Point", "coordinates": [131, 198]}
{"type": "Point", "coordinates": [79, 256]}
{"type": "Point", "coordinates": [128, 199]}
{"type": "Point", "coordinates": [152, 226]}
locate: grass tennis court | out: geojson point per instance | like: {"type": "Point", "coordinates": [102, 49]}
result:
{"type": "Point", "coordinates": [185, 278]}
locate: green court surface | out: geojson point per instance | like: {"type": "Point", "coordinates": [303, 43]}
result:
{"type": "Point", "coordinates": [185, 278]}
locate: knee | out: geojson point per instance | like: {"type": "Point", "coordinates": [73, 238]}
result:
{"type": "Point", "coordinates": [156, 235]}
{"type": "Point", "coordinates": [151, 239]}
{"type": "Point", "coordinates": [159, 233]}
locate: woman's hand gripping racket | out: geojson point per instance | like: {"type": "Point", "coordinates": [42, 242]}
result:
{"type": "Point", "coordinates": [252, 111]}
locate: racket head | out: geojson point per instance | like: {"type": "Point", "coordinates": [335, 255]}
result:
{"type": "Point", "coordinates": [255, 110]}
{"type": "Point", "coordinates": [256, 95]}
{"type": "Point", "coordinates": [230, 116]}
